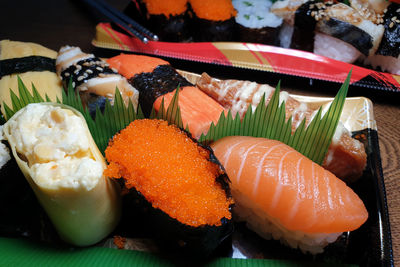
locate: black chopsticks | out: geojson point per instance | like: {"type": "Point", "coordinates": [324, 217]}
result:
{"type": "Point", "coordinates": [123, 21]}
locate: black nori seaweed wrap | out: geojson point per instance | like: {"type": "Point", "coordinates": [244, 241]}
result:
{"type": "Point", "coordinates": [213, 31]}
{"type": "Point", "coordinates": [390, 44]}
{"type": "Point", "coordinates": [25, 64]}
{"type": "Point", "coordinates": [85, 70]}
{"type": "Point", "coordinates": [265, 35]}
{"type": "Point", "coordinates": [304, 25]}
{"type": "Point", "coordinates": [168, 29]}
{"type": "Point", "coordinates": [151, 85]}
{"type": "Point", "coordinates": [175, 236]}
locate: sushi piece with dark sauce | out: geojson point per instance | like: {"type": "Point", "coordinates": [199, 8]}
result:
{"type": "Point", "coordinates": [387, 56]}
{"type": "Point", "coordinates": [178, 184]}
{"type": "Point", "coordinates": [330, 29]}
{"type": "Point", "coordinates": [91, 76]}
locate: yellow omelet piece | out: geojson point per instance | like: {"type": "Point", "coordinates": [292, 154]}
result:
{"type": "Point", "coordinates": [46, 82]}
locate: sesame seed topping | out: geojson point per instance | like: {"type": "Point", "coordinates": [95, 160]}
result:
{"type": "Point", "coordinates": [391, 24]}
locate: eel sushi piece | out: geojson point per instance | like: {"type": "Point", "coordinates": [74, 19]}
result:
{"type": "Point", "coordinates": [333, 24]}
{"type": "Point", "coordinates": [284, 195]}
{"type": "Point", "coordinates": [346, 157]}
{"type": "Point", "coordinates": [58, 157]}
{"type": "Point", "coordinates": [157, 80]}
{"type": "Point", "coordinates": [177, 183]}
{"type": "Point", "coordinates": [255, 22]}
{"type": "Point", "coordinates": [388, 55]}
{"type": "Point", "coordinates": [93, 79]}
{"type": "Point", "coordinates": [213, 21]}
{"type": "Point", "coordinates": [34, 64]}
{"type": "Point", "coordinates": [167, 18]}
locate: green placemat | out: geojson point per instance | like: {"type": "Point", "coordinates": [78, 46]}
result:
{"type": "Point", "coordinates": [16, 252]}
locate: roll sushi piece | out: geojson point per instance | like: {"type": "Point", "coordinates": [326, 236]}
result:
{"type": "Point", "coordinates": [58, 157]}
{"type": "Point", "coordinates": [283, 195]}
{"type": "Point", "coordinates": [213, 21]}
{"type": "Point", "coordinates": [176, 182]}
{"type": "Point", "coordinates": [387, 57]}
{"type": "Point", "coordinates": [157, 81]}
{"type": "Point", "coordinates": [169, 19]}
{"type": "Point", "coordinates": [346, 157]}
{"type": "Point", "coordinates": [34, 64]}
{"type": "Point", "coordinates": [93, 79]}
{"type": "Point", "coordinates": [256, 23]}
{"type": "Point", "coordinates": [321, 25]}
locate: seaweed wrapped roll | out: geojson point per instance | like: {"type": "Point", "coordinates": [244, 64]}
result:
{"type": "Point", "coordinates": [256, 23]}
{"type": "Point", "coordinates": [167, 18]}
{"type": "Point", "coordinates": [177, 183]}
{"type": "Point", "coordinates": [213, 20]}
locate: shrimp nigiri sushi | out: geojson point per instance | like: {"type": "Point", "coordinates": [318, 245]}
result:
{"type": "Point", "coordinates": [279, 191]}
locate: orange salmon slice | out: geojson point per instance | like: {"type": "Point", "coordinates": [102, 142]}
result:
{"type": "Point", "coordinates": [288, 187]}
{"type": "Point", "coordinates": [198, 110]}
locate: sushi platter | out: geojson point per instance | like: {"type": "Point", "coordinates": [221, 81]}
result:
{"type": "Point", "coordinates": [245, 39]}
{"type": "Point", "coordinates": [106, 175]}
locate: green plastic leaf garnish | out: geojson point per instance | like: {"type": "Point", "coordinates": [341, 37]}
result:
{"type": "Point", "coordinates": [269, 121]}
{"type": "Point", "coordinates": [103, 127]}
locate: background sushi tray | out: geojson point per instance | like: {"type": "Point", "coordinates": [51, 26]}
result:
{"type": "Point", "coordinates": [180, 40]}
{"type": "Point", "coordinates": [34, 237]}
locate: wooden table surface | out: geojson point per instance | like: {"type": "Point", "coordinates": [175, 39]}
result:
{"type": "Point", "coordinates": [57, 23]}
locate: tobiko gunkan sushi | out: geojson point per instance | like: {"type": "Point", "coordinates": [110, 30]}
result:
{"type": "Point", "coordinates": [177, 181]}
{"type": "Point", "coordinates": [167, 18]}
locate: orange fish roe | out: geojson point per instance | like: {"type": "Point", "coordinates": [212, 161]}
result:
{"type": "Point", "coordinates": [119, 241]}
{"type": "Point", "coordinates": [130, 65]}
{"type": "Point", "coordinates": [216, 10]}
{"type": "Point", "coordinates": [170, 170]}
{"type": "Point", "coordinates": [166, 7]}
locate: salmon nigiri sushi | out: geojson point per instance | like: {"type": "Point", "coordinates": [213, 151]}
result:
{"type": "Point", "coordinates": [282, 193]}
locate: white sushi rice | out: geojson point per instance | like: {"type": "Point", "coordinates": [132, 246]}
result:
{"type": "Point", "coordinates": [328, 46]}
{"type": "Point", "coordinates": [285, 35]}
{"type": "Point", "coordinates": [268, 227]}
{"type": "Point", "coordinates": [255, 14]}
